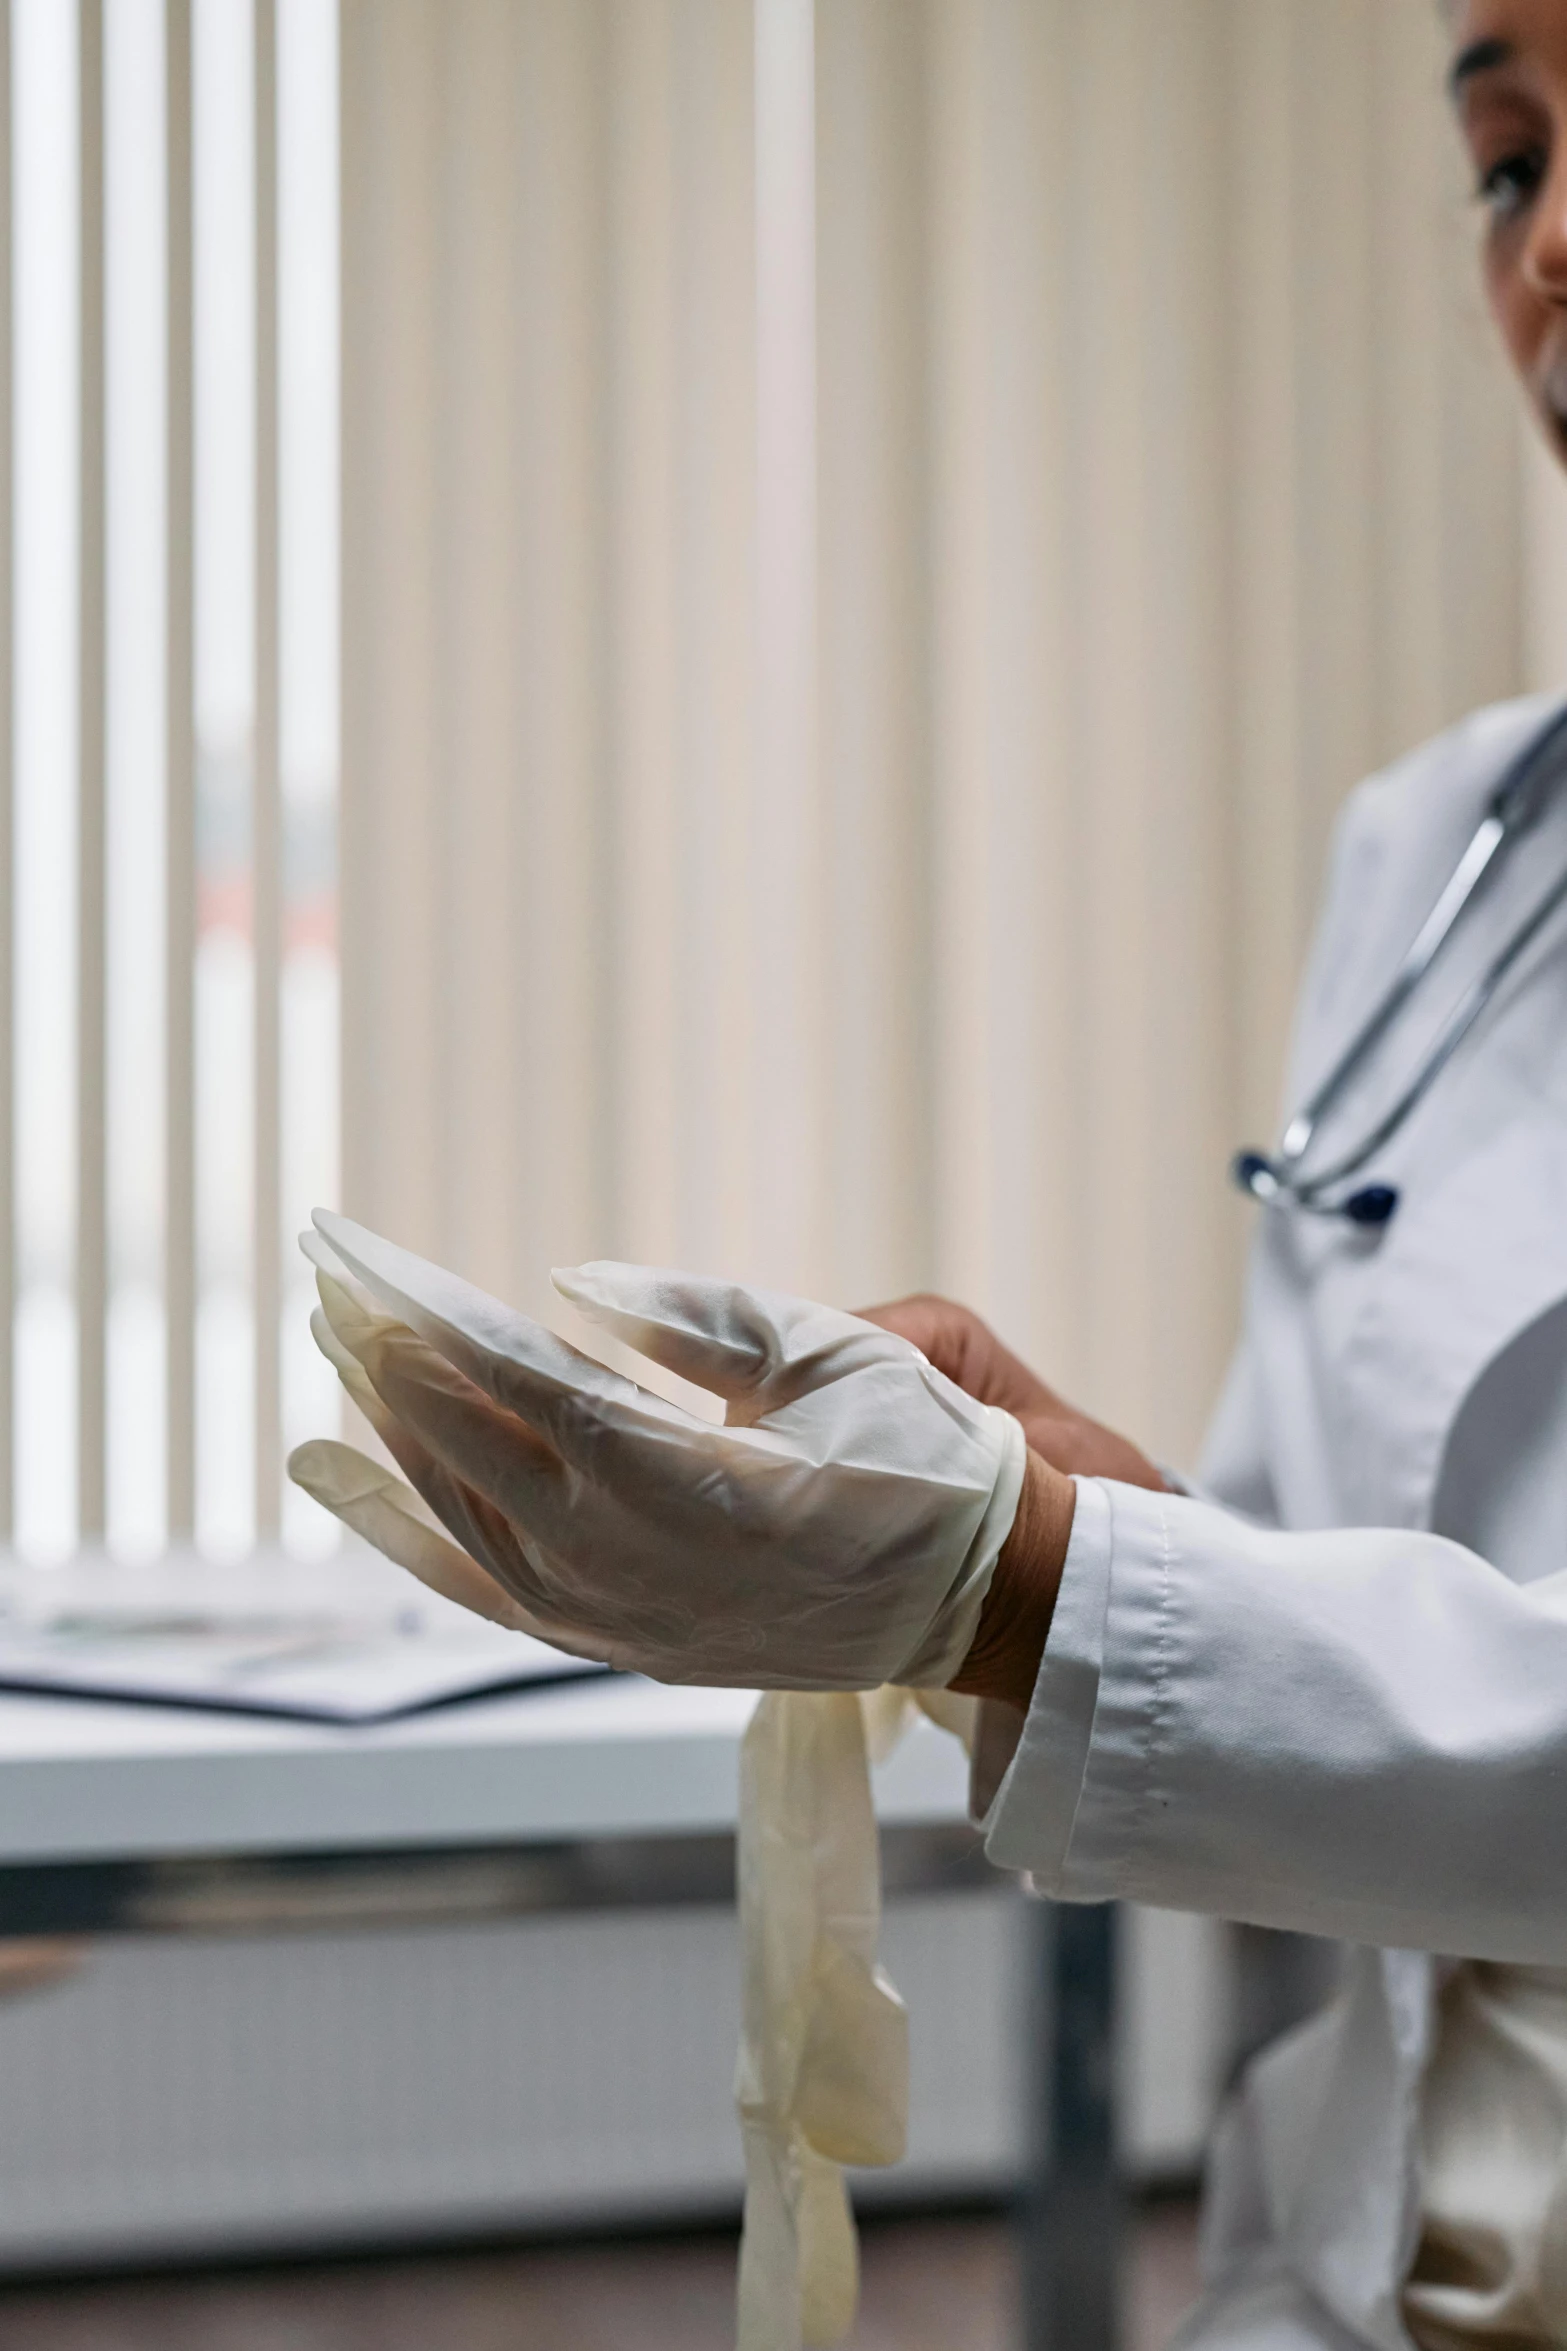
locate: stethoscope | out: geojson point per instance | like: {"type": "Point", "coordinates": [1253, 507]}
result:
{"type": "Point", "coordinates": [1279, 1180]}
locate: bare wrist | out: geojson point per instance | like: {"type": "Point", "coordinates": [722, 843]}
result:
{"type": "Point", "coordinates": [1003, 1661]}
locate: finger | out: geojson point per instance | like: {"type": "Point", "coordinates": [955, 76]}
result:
{"type": "Point", "coordinates": [351, 1314]}
{"type": "Point", "coordinates": [362, 1329]}
{"type": "Point", "coordinates": [425, 1475]}
{"type": "Point", "coordinates": [477, 1524]}
{"type": "Point", "coordinates": [373, 1503]}
{"type": "Point", "coordinates": [928, 1323]}
{"type": "Point", "coordinates": [355, 1342]}
{"type": "Point", "coordinates": [474, 1440]}
{"type": "Point", "coordinates": [349, 1370]}
{"type": "Point", "coordinates": [745, 1345]}
{"type": "Point", "coordinates": [462, 1513]}
{"type": "Point", "coordinates": [378, 1506]}
{"type": "Point", "coordinates": [966, 1349]}
{"type": "Point", "coordinates": [516, 1361]}
{"type": "Point", "coordinates": [351, 1332]}
{"type": "Point", "coordinates": [314, 1249]}
{"type": "Point", "coordinates": [555, 1526]}
{"type": "Point", "coordinates": [555, 1538]}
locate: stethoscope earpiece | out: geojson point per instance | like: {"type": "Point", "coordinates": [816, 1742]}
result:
{"type": "Point", "coordinates": [1254, 1172]}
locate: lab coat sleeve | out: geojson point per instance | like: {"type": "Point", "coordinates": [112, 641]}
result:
{"type": "Point", "coordinates": [1356, 1733]}
{"type": "Point", "coordinates": [1045, 1776]}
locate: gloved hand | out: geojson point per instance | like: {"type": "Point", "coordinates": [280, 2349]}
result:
{"type": "Point", "coordinates": [838, 1532]}
{"type": "Point", "coordinates": [958, 1342]}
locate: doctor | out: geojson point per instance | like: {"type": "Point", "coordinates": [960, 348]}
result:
{"type": "Point", "coordinates": [1325, 1688]}
{"type": "Point", "coordinates": [1328, 1691]}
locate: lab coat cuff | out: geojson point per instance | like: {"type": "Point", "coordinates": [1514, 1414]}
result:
{"type": "Point", "coordinates": [1120, 1808]}
{"type": "Point", "coordinates": [1029, 1824]}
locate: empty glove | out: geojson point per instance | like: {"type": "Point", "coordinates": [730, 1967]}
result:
{"type": "Point", "coordinates": [823, 2074]}
{"type": "Point", "coordinates": [837, 1533]}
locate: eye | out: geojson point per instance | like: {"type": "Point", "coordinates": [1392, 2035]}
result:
{"type": "Point", "coordinates": [1510, 185]}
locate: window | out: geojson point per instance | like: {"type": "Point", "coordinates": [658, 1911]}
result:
{"type": "Point", "coordinates": [171, 1096]}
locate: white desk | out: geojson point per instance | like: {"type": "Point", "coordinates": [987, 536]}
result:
{"type": "Point", "coordinates": [83, 1781]}
{"type": "Point", "coordinates": [89, 1791]}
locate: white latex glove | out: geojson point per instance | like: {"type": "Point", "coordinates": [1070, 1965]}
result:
{"type": "Point", "coordinates": [823, 2076]}
{"type": "Point", "coordinates": [838, 1533]}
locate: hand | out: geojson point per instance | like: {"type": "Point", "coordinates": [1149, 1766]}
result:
{"type": "Point", "coordinates": [838, 1532]}
{"type": "Point", "coordinates": [957, 1342]}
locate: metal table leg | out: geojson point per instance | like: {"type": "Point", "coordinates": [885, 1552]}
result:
{"type": "Point", "coordinates": [1070, 2217]}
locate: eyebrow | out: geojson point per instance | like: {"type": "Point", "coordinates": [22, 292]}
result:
{"type": "Point", "coordinates": [1479, 57]}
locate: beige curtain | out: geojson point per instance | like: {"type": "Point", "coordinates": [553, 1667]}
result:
{"type": "Point", "coordinates": [874, 543]}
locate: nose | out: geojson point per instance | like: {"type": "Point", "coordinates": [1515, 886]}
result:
{"type": "Point", "coordinates": [1545, 255]}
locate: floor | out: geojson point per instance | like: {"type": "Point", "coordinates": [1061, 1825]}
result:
{"type": "Point", "coordinates": [931, 2284]}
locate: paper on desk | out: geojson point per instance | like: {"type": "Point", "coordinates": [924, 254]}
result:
{"type": "Point", "coordinates": [257, 1643]}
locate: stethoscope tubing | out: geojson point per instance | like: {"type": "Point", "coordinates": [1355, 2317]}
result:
{"type": "Point", "coordinates": [1512, 808]}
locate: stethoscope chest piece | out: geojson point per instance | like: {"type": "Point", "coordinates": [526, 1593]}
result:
{"type": "Point", "coordinates": [1373, 1206]}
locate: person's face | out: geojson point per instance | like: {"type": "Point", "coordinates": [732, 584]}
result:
{"type": "Point", "coordinates": [1509, 86]}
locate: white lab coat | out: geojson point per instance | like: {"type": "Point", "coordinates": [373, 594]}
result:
{"type": "Point", "coordinates": [1293, 1700]}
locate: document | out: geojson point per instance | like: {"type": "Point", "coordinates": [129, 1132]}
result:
{"type": "Point", "coordinates": [346, 1642]}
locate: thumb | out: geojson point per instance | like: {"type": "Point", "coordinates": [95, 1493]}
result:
{"type": "Point", "coordinates": [741, 1344]}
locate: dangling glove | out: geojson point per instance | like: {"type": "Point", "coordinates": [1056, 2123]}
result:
{"type": "Point", "coordinates": [823, 2074]}
{"type": "Point", "coordinates": [837, 1533]}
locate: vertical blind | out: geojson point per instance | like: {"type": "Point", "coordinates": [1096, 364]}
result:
{"type": "Point", "coordinates": [167, 936]}
{"type": "Point", "coordinates": [876, 538]}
